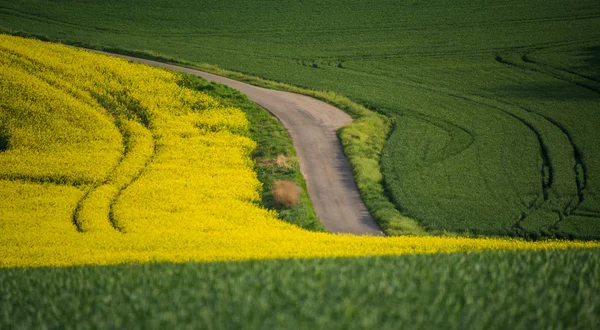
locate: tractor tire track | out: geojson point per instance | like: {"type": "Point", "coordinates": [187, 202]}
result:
{"type": "Point", "coordinates": [131, 150]}
{"type": "Point", "coordinates": [579, 169]}
{"type": "Point", "coordinates": [546, 169]}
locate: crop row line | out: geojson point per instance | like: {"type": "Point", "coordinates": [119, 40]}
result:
{"type": "Point", "coordinates": [546, 168]}
{"type": "Point", "coordinates": [96, 208]}
{"type": "Point", "coordinates": [579, 169]}
{"type": "Point", "coordinates": [38, 18]}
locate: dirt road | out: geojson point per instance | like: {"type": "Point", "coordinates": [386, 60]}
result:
{"type": "Point", "coordinates": [312, 124]}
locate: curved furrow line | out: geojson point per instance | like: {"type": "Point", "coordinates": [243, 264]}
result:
{"type": "Point", "coordinates": [456, 144]}
{"type": "Point", "coordinates": [78, 211]}
{"type": "Point", "coordinates": [593, 82]}
{"type": "Point", "coordinates": [62, 180]}
{"type": "Point", "coordinates": [589, 85]}
{"type": "Point", "coordinates": [531, 65]}
{"type": "Point", "coordinates": [560, 73]}
{"type": "Point", "coordinates": [579, 169]}
{"type": "Point", "coordinates": [94, 212]}
{"type": "Point", "coordinates": [547, 170]}
{"type": "Point", "coordinates": [150, 159]}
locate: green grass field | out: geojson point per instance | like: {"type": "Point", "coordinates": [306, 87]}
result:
{"type": "Point", "coordinates": [508, 290]}
{"type": "Point", "coordinates": [495, 104]}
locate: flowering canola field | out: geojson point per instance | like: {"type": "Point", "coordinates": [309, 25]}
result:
{"type": "Point", "coordinates": [103, 161]}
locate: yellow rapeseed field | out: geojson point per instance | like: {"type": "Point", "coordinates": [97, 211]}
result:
{"type": "Point", "coordinates": [105, 161]}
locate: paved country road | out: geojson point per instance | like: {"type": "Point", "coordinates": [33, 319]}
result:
{"type": "Point", "coordinates": [312, 124]}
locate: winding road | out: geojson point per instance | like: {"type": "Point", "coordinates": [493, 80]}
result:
{"type": "Point", "coordinates": [312, 125]}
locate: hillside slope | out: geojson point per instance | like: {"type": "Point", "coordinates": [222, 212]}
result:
{"type": "Point", "coordinates": [495, 104]}
{"type": "Point", "coordinates": [108, 162]}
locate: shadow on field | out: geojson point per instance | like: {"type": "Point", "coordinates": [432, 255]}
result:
{"type": "Point", "coordinates": [3, 139]}
{"type": "Point", "coordinates": [548, 90]}
{"type": "Point", "coordinates": [592, 61]}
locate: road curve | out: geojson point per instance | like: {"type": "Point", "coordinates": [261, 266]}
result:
{"type": "Point", "coordinates": [312, 124]}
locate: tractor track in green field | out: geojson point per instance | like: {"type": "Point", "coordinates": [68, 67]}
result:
{"type": "Point", "coordinates": [580, 170]}
{"type": "Point", "coordinates": [589, 82]}
{"type": "Point", "coordinates": [547, 170]}
{"type": "Point", "coordinates": [51, 20]}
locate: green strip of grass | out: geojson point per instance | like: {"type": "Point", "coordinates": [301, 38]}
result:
{"type": "Point", "coordinates": [509, 290]}
{"type": "Point", "coordinates": [273, 140]}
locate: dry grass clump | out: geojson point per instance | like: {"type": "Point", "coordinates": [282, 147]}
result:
{"type": "Point", "coordinates": [286, 193]}
{"type": "Point", "coordinates": [282, 161]}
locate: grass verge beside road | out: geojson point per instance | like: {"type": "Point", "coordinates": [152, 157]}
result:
{"type": "Point", "coordinates": [272, 141]}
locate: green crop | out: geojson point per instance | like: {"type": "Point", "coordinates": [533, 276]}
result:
{"type": "Point", "coordinates": [491, 290]}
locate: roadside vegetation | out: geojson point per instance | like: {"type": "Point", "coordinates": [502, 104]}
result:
{"type": "Point", "coordinates": [274, 156]}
